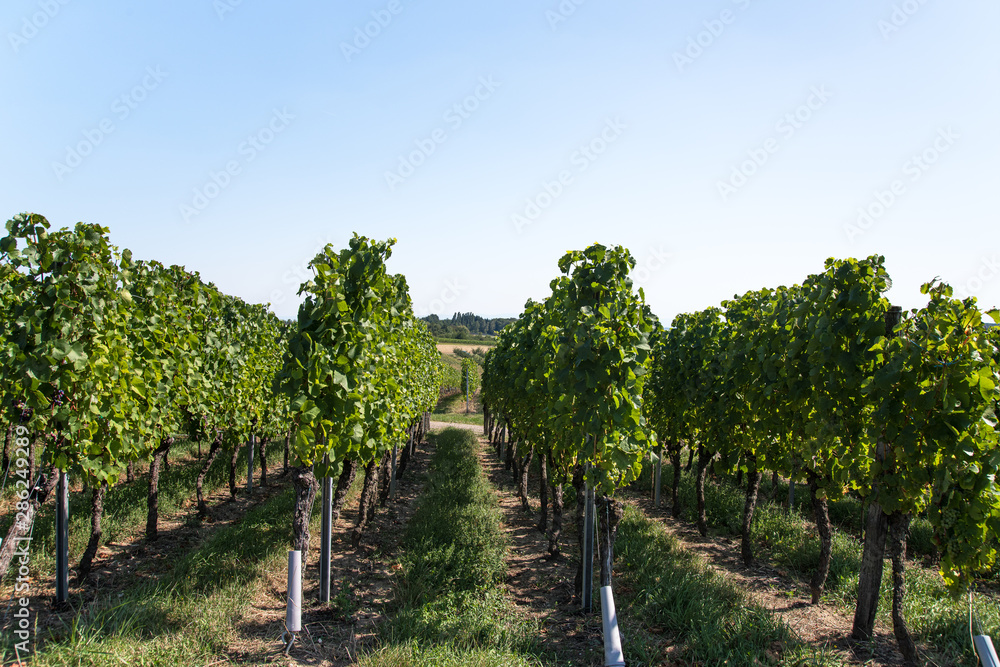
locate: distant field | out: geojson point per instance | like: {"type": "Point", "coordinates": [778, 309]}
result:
{"type": "Point", "coordinates": [449, 348]}
{"type": "Point", "coordinates": [488, 342]}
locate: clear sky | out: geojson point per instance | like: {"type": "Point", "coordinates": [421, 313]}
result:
{"type": "Point", "coordinates": [730, 144]}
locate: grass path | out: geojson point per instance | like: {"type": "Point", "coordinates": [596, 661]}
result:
{"type": "Point", "coordinates": [787, 550]}
{"type": "Point", "coordinates": [450, 607]}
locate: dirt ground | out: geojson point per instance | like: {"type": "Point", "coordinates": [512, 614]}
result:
{"type": "Point", "coordinates": [821, 625]}
{"type": "Point", "coordinates": [542, 588]}
{"type": "Point", "coordinates": [361, 586]}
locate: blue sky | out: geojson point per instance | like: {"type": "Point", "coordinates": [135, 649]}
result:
{"type": "Point", "coordinates": [731, 145]}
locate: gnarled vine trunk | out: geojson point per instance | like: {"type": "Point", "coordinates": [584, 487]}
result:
{"type": "Point", "coordinates": [522, 479]}
{"type": "Point", "coordinates": [675, 501]}
{"type": "Point", "coordinates": [384, 471]}
{"type": "Point", "coordinates": [899, 531]}
{"type": "Point", "coordinates": [37, 495]}
{"type": "Point", "coordinates": [262, 445]}
{"type": "Point", "coordinates": [872, 560]}
{"type": "Point", "coordinates": [6, 448]}
{"type": "Point", "coordinates": [821, 512]}
{"type": "Point", "coordinates": [153, 497]}
{"type": "Point", "coordinates": [232, 471]}
{"type": "Point", "coordinates": [609, 516]}
{"type": "Point", "coordinates": [703, 458]}
{"type": "Point", "coordinates": [304, 483]}
{"type": "Point", "coordinates": [213, 452]}
{"type": "Point", "coordinates": [580, 486]}
{"type": "Point", "coordinates": [344, 482]}
{"type": "Point", "coordinates": [288, 445]}
{"type": "Point", "coordinates": [509, 458]}
{"type": "Point", "coordinates": [368, 494]}
{"type": "Point", "coordinates": [404, 457]}
{"type": "Point", "coordinates": [750, 504]}
{"type": "Point", "coordinates": [96, 513]}
{"type": "Point", "coordinates": [543, 493]}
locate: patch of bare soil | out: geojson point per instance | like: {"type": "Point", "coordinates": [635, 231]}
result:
{"type": "Point", "coordinates": [820, 625]}
{"type": "Point", "coordinates": [539, 587]}
{"type": "Point", "coordinates": [335, 634]}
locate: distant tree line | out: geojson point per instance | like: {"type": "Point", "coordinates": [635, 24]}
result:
{"type": "Point", "coordinates": [463, 325]}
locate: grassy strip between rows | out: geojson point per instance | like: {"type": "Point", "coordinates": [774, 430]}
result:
{"type": "Point", "coordinates": [450, 607]}
{"type": "Point", "coordinates": [666, 595]}
{"type": "Point", "coordinates": [790, 541]}
{"type": "Point", "coordinates": [192, 614]}
{"type": "Point", "coordinates": [458, 418]}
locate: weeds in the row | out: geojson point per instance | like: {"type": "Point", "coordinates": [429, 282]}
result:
{"type": "Point", "coordinates": [190, 615]}
{"type": "Point", "coordinates": [704, 618]}
{"type": "Point", "coordinates": [449, 607]}
{"type": "Point", "coordinates": [125, 507]}
{"type": "Point", "coordinates": [789, 540]}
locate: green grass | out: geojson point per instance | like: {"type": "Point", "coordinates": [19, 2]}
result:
{"type": "Point", "coordinates": [458, 418]}
{"type": "Point", "coordinates": [450, 607]}
{"type": "Point", "coordinates": [452, 409]}
{"type": "Point", "coordinates": [413, 654]}
{"type": "Point", "coordinates": [790, 541]}
{"type": "Point", "coordinates": [665, 594]}
{"type": "Point", "coordinates": [125, 504]}
{"type": "Point", "coordinates": [192, 614]}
